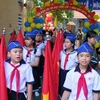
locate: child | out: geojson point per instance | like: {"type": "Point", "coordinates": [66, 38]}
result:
{"type": "Point", "coordinates": [91, 40]}
{"type": "Point", "coordinates": [68, 59]}
{"type": "Point", "coordinates": [40, 44]}
{"type": "Point", "coordinates": [18, 73]}
{"type": "Point", "coordinates": [82, 82]}
{"type": "Point", "coordinates": [31, 55]}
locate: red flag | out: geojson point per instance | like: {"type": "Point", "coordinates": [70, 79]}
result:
{"type": "Point", "coordinates": [13, 36]}
{"type": "Point", "coordinates": [61, 40]}
{"type": "Point", "coordinates": [3, 46]}
{"type": "Point", "coordinates": [55, 56]}
{"type": "Point", "coordinates": [3, 89]}
{"type": "Point", "coordinates": [20, 38]}
{"type": "Point", "coordinates": [48, 92]}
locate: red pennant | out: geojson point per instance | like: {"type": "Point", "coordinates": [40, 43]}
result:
{"type": "Point", "coordinates": [20, 38]}
{"type": "Point", "coordinates": [3, 89]}
{"type": "Point", "coordinates": [13, 36]}
{"type": "Point", "coordinates": [48, 92]}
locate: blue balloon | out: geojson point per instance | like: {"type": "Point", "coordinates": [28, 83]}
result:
{"type": "Point", "coordinates": [98, 27]}
{"type": "Point", "coordinates": [36, 20]}
{"type": "Point", "coordinates": [41, 29]}
{"type": "Point", "coordinates": [92, 26]}
{"type": "Point", "coordinates": [86, 20]}
{"type": "Point", "coordinates": [98, 37]}
{"type": "Point", "coordinates": [85, 30]}
{"type": "Point", "coordinates": [41, 20]}
{"type": "Point", "coordinates": [27, 24]}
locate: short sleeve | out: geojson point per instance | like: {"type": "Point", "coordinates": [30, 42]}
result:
{"type": "Point", "coordinates": [38, 52]}
{"type": "Point", "coordinates": [67, 84]}
{"type": "Point", "coordinates": [60, 55]}
{"type": "Point", "coordinates": [29, 75]}
{"type": "Point", "coordinates": [96, 85]}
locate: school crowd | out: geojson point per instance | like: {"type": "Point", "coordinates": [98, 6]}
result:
{"type": "Point", "coordinates": [79, 73]}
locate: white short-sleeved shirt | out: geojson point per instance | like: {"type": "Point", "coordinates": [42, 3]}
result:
{"type": "Point", "coordinates": [41, 46]}
{"type": "Point", "coordinates": [31, 57]}
{"type": "Point", "coordinates": [26, 75]}
{"type": "Point", "coordinates": [71, 83]}
{"type": "Point", "coordinates": [72, 60]}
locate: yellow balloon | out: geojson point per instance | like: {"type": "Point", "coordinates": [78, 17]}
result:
{"type": "Point", "coordinates": [75, 2]}
{"type": "Point", "coordinates": [87, 24]}
{"type": "Point", "coordinates": [83, 35]}
{"type": "Point", "coordinates": [38, 25]}
{"type": "Point", "coordinates": [33, 25]}
{"type": "Point", "coordinates": [30, 19]}
{"type": "Point", "coordinates": [47, 4]}
{"type": "Point", "coordinates": [97, 45]}
{"type": "Point", "coordinates": [96, 17]}
{"type": "Point", "coordinates": [34, 11]}
{"type": "Point", "coordinates": [96, 30]}
{"type": "Point", "coordinates": [29, 29]}
{"type": "Point", "coordinates": [56, 1]}
{"type": "Point", "coordinates": [50, 14]}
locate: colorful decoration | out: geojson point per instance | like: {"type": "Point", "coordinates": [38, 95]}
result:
{"type": "Point", "coordinates": [88, 26]}
{"type": "Point", "coordinates": [48, 25]}
{"type": "Point", "coordinates": [34, 23]}
{"type": "Point", "coordinates": [62, 4]}
{"type": "Point", "coordinates": [71, 4]}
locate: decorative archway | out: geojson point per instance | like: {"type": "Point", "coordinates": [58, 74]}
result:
{"type": "Point", "coordinates": [71, 5]}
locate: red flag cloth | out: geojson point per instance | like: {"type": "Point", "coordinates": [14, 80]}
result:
{"type": "Point", "coordinates": [61, 40]}
{"type": "Point", "coordinates": [13, 36]}
{"type": "Point", "coordinates": [20, 38]}
{"type": "Point", "coordinates": [3, 89]}
{"type": "Point", "coordinates": [48, 92]}
{"type": "Point", "coordinates": [3, 46]}
{"type": "Point", "coordinates": [55, 56]}
{"type": "Point", "coordinates": [82, 84]}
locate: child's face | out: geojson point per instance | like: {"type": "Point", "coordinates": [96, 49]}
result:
{"type": "Point", "coordinates": [92, 40]}
{"type": "Point", "coordinates": [16, 55]}
{"type": "Point", "coordinates": [38, 37]}
{"type": "Point", "coordinates": [28, 42]}
{"type": "Point", "coordinates": [68, 44]}
{"type": "Point", "coordinates": [84, 58]}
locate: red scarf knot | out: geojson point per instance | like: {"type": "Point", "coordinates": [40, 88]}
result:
{"type": "Point", "coordinates": [13, 73]}
{"type": "Point", "coordinates": [82, 84]}
{"type": "Point", "coordinates": [66, 60]}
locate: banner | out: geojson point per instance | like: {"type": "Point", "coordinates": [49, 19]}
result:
{"type": "Point", "coordinates": [92, 4]}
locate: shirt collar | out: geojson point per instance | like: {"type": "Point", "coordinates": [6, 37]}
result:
{"type": "Point", "coordinates": [21, 62]}
{"type": "Point", "coordinates": [78, 69]}
{"type": "Point", "coordinates": [73, 51]}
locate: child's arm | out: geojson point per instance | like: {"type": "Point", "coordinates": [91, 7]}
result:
{"type": "Point", "coordinates": [96, 96]}
{"type": "Point", "coordinates": [36, 62]}
{"type": "Point", "coordinates": [29, 86]}
{"type": "Point", "coordinates": [65, 95]}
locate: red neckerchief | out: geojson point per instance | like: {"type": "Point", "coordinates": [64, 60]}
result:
{"type": "Point", "coordinates": [66, 60]}
{"type": "Point", "coordinates": [82, 84]}
{"type": "Point", "coordinates": [13, 73]}
{"type": "Point", "coordinates": [37, 44]}
{"type": "Point", "coordinates": [28, 52]}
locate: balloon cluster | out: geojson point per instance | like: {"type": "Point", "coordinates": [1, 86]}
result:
{"type": "Point", "coordinates": [34, 23]}
{"type": "Point", "coordinates": [48, 25]}
{"type": "Point", "coordinates": [93, 27]}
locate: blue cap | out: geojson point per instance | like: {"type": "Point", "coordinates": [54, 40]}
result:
{"type": "Point", "coordinates": [32, 34]}
{"type": "Point", "coordinates": [71, 37]}
{"type": "Point", "coordinates": [14, 44]}
{"type": "Point", "coordinates": [85, 47]}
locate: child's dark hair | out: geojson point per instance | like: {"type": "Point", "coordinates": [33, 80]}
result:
{"type": "Point", "coordinates": [90, 34]}
{"type": "Point", "coordinates": [34, 45]}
